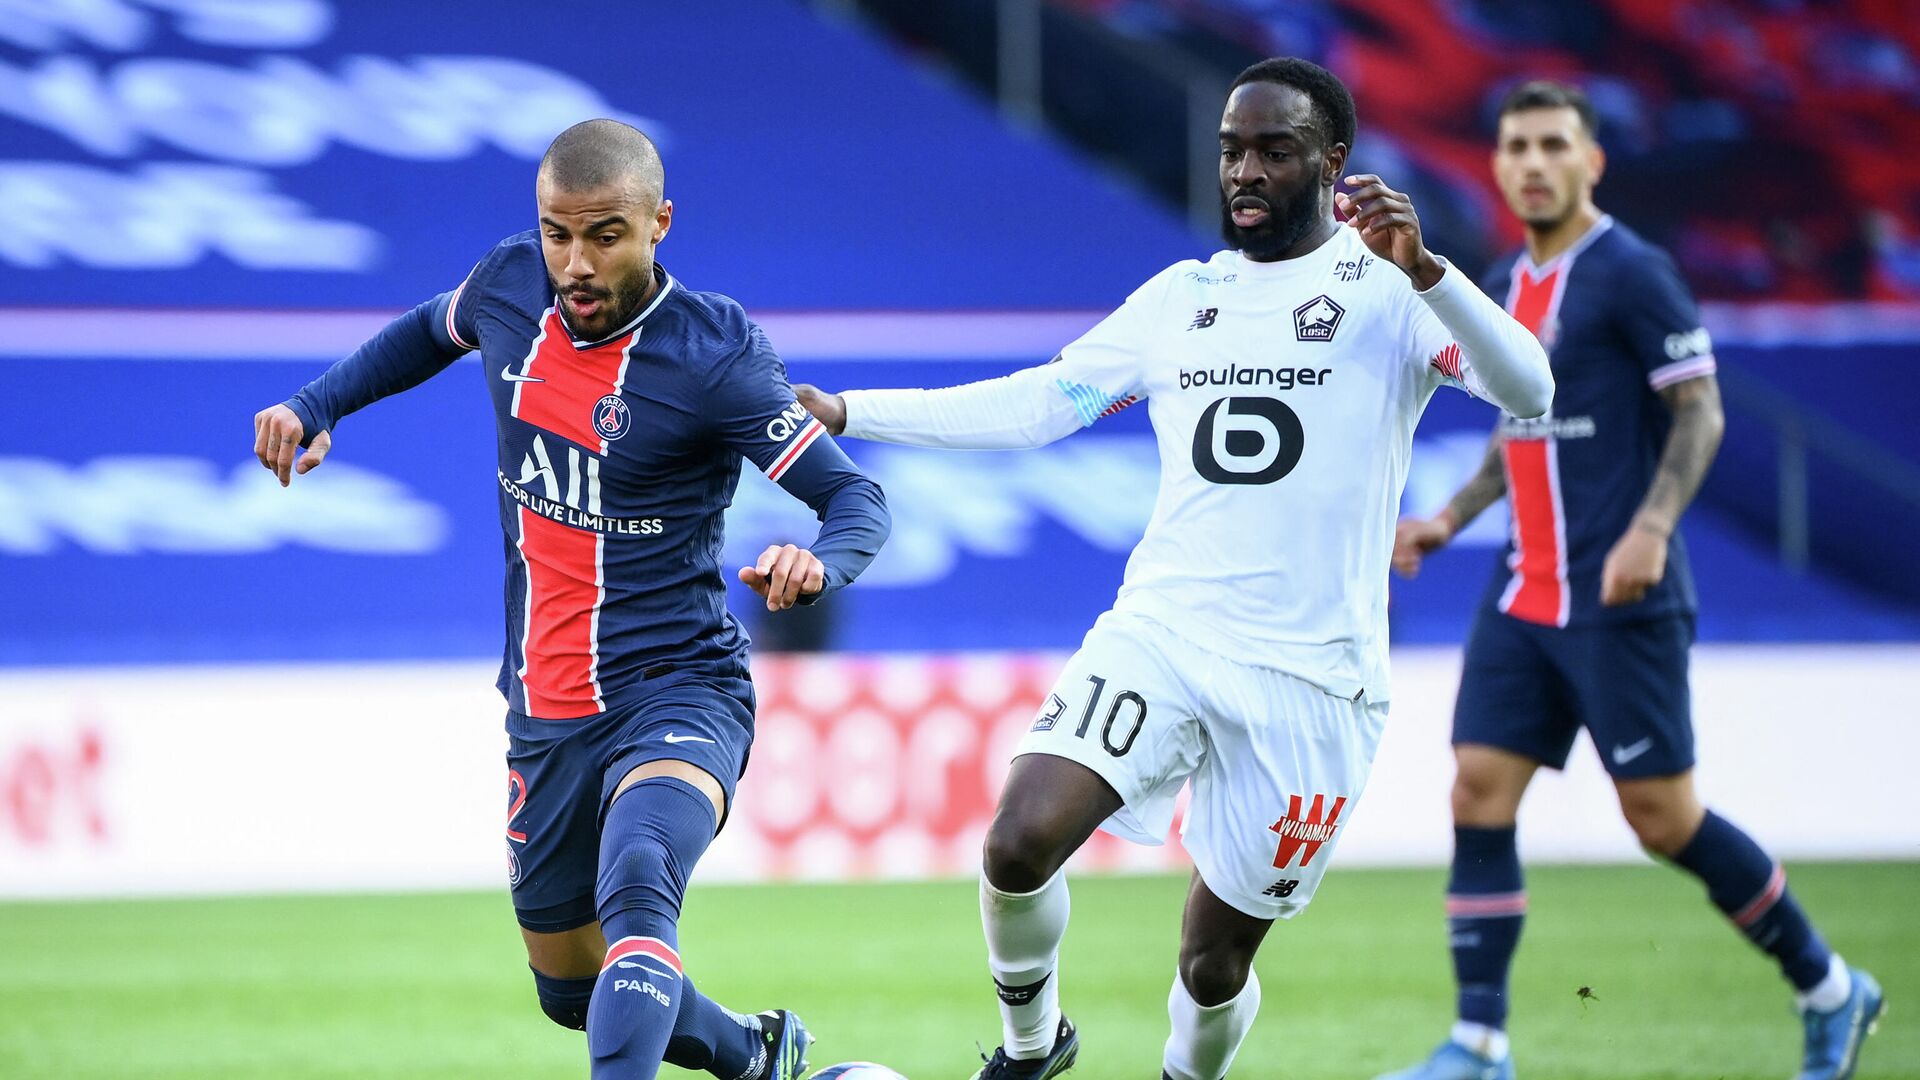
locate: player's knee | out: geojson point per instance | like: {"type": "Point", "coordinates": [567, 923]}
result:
{"type": "Point", "coordinates": [1662, 826]}
{"type": "Point", "coordinates": [1021, 854]}
{"type": "Point", "coordinates": [640, 876]}
{"type": "Point", "coordinates": [1214, 975]}
{"type": "Point", "coordinates": [1480, 798]}
{"type": "Point", "coordinates": [564, 1000]}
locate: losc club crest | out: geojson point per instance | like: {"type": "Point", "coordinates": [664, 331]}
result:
{"type": "Point", "coordinates": [1317, 319]}
{"type": "Point", "coordinates": [611, 417]}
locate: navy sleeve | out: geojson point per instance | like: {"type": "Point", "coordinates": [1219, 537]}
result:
{"type": "Point", "coordinates": [405, 353]}
{"type": "Point", "coordinates": [757, 415]}
{"type": "Point", "coordinates": [1660, 323]}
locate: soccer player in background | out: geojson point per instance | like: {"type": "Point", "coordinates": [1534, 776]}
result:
{"type": "Point", "coordinates": [1247, 647]}
{"type": "Point", "coordinates": [623, 402]}
{"type": "Point", "coordinates": [1589, 619]}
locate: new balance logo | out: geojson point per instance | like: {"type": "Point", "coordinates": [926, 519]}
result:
{"type": "Point", "coordinates": [1281, 889]}
{"type": "Point", "coordinates": [1204, 318]}
{"type": "Point", "coordinates": [1302, 834]}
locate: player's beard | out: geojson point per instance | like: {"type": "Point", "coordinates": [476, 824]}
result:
{"type": "Point", "coordinates": [618, 306]}
{"type": "Point", "coordinates": [1288, 222]}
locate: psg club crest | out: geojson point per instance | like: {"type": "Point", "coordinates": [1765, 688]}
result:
{"type": "Point", "coordinates": [1317, 319]}
{"type": "Point", "coordinates": [611, 417]}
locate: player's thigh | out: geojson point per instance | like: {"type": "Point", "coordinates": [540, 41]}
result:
{"type": "Point", "coordinates": [1217, 945]}
{"type": "Point", "coordinates": [1286, 764]}
{"type": "Point", "coordinates": [1122, 710]}
{"type": "Point", "coordinates": [699, 730]}
{"type": "Point", "coordinates": [1631, 683]}
{"type": "Point", "coordinates": [1513, 694]}
{"type": "Point", "coordinates": [568, 954]}
{"type": "Point", "coordinates": [553, 828]}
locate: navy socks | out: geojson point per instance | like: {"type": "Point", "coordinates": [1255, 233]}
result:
{"type": "Point", "coordinates": [1486, 905]}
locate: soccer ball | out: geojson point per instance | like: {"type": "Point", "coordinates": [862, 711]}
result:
{"type": "Point", "coordinates": [857, 1070]}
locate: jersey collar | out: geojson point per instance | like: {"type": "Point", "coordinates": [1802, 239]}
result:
{"type": "Point", "coordinates": [1540, 270]}
{"type": "Point", "coordinates": [666, 286]}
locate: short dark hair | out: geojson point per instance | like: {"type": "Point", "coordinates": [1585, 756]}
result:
{"type": "Point", "coordinates": [1331, 101]}
{"type": "Point", "coordinates": [1547, 94]}
{"type": "Point", "coordinates": [595, 153]}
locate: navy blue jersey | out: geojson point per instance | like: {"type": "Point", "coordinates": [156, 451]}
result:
{"type": "Point", "coordinates": [617, 459]}
{"type": "Point", "coordinates": [1619, 325]}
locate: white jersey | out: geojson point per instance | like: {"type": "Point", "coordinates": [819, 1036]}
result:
{"type": "Point", "coordinates": [1283, 396]}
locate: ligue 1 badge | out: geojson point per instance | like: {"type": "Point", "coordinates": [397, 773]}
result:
{"type": "Point", "coordinates": [611, 417]}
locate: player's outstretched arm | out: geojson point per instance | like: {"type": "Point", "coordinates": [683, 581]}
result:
{"type": "Point", "coordinates": [1638, 560]}
{"type": "Point", "coordinates": [405, 353]}
{"type": "Point", "coordinates": [1414, 539]}
{"type": "Point", "coordinates": [1014, 412]}
{"type": "Point", "coordinates": [1500, 359]}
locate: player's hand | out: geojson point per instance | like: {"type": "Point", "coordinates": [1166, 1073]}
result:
{"type": "Point", "coordinates": [1389, 227]}
{"type": "Point", "coordinates": [784, 574]}
{"type": "Point", "coordinates": [1414, 540]}
{"type": "Point", "coordinates": [1637, 563]}
{"type": "Point", "coordinates": [829, 409]}
{"type": "Point", "coordinates": [276, 442]}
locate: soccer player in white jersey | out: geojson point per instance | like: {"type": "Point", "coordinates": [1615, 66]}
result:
{"type": "Point", "coordinates": [1247, 648]}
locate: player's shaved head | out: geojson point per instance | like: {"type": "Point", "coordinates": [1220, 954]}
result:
{"type": "Point", "coordinates": [603, 208]}
{"type": "Point", "coordinates": [598, 154]}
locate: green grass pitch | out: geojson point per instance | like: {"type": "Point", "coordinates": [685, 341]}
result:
{"type": "Point", "coordinates": [434, 985]}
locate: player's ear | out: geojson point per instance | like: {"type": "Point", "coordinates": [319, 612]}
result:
{"type": "Point", "coordinates": [662, 220]}
{"type": "Point", "coordinates": [1334, 165]}
{"type": "Point", "coordinates": [1596, 161]}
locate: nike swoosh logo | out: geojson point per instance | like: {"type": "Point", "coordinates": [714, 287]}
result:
{"type": "Point", "coordinates": [508, 375]}
{"type": "Point", "coordinates": [656, 972]}
{"type": "Point", "coordinates": [671, 738]}
{"type": "Point", "coordinates": [1624, 754]}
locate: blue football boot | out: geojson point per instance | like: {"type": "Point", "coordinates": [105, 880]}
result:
{"type": "Point", "coordinates": [1066, 1047]}
{"type": "Point", "coordinates": [787, 1040]}
{"type": "Point", "coordinates": [1455, 1062]}
{"type": "Point", "coordinates": [1834, 1038]}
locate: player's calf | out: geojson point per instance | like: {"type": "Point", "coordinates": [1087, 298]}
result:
{"type": "Point", "coordinates": [644, 1008]}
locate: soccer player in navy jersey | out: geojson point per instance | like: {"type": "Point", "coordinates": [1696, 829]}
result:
{"type": "Point", "coordinates": [1589, 620]}
{"type": "Point", "coordinates": [623, 402]}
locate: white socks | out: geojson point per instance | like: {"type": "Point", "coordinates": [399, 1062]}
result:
{"type": "Point", "coordinates": [1829, 993]}
{"type": "Point", "coordinates": [1488, 1042]}
{"type": "Point", "coordinates": [1023, 951]}
{"type": "Point", "coordinates": [1205, 1039]}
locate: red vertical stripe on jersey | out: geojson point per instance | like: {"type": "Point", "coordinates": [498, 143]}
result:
{"type": "Point", "coordinates": [571, 382]}
{"type": "Point", "coordinates": [560, 656]}
{"type": "Point", "coordinates": [1537, 592]}
{"type": "Point", "coordinates": [563, 592]}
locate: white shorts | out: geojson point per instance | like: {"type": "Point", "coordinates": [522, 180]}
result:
{"type": "Point", "coordinates": [1277, 763]}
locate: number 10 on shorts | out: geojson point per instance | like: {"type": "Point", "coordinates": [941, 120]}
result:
{"type": "Point", "coordinates": [1127, 711]}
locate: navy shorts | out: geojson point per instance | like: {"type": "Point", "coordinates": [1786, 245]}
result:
{"type": "Point", "coordinates": [1530, 689]}
{"type": "Point", "coordinates": [561, 775]}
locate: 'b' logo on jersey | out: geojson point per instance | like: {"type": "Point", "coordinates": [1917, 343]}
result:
{"type": "Point", "coordinates": [611, 417]}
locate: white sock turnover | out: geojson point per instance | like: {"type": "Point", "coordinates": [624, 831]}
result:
{"type": "Point", "coordinates": [1023, 951]}
{"type": "Point", "coordinates": [1205, 1039]}
{"type": "Point", "coordinates": [1831, 992]}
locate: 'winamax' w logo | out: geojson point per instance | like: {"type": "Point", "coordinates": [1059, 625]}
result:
{"type": "Point", "coordinates": [1304, 833]}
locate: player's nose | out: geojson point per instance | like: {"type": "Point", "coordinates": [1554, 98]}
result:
{"type": "Point", "coordinates": [578, 268]}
